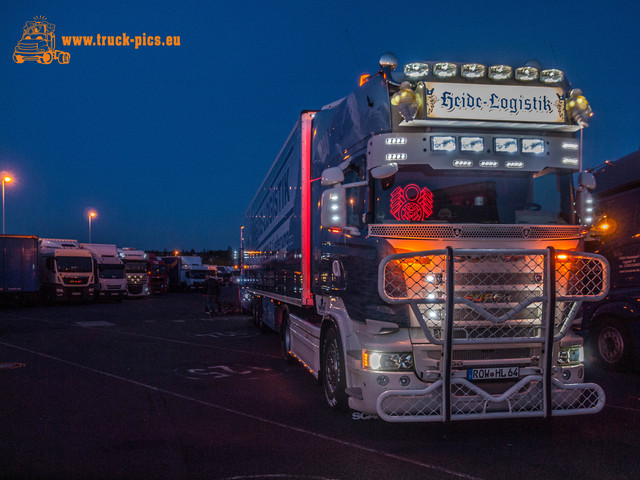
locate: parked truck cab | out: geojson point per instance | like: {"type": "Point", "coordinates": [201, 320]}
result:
{"type": "Point", "coordinates": [111, 281]}
{"type": "Point", "coordinates": [136, 269]}
{"type": "Point", "coordinates": [66, 271]}
{"type": "Point", "coordinates": [612, 326]}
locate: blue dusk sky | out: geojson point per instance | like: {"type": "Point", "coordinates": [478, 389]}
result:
{"type": "Point", "coordinates": [169, 143]}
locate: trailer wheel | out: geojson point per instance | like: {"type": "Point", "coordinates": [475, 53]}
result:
{"type": "Point", "coordinates": [333, 370]}
{"type": "Point", "coordinates": [286, 338]}
{"type": "Point", "coordinates": [614, 344]}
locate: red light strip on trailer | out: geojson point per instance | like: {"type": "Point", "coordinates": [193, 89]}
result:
{"type": "Point", "coordinates": [307, 133]}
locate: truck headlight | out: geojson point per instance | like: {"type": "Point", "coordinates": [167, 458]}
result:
{"type": "Point", "coordinates": [571, 355]}
{"type": "Point", "coordinates": [386, 361]}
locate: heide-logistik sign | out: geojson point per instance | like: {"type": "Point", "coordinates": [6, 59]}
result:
{"type": "Point", "coordinates": [495, 102]}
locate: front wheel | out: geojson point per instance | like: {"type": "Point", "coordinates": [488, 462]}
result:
{"type": "Point", "coordinates": [614, 344]}
{"type": "Point", "coordinates": [333, 370]}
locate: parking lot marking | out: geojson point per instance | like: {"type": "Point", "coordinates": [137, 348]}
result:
{"type": "Point", "coordinates": [94, 323]}
{"type": "Point", "coordinates": [250, 416]}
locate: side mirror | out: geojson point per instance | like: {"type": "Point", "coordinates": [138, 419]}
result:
{"type": "Point", "coordinates": [384, 171]}
{"type": "Point", "coordinates": [332, 176]}
{"type": "Point", "coordinates": [587, 180]}
{"type": "Point", "coordinates": [333, 211]}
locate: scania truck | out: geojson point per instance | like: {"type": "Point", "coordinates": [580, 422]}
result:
{"type": "Point", "coordinates": [66, 271]}
{"type": "Point", "coordinates": [135, 266]}
{"type": "Point", "coordinates": [158, 277]}
{"type": "Point", "coordinates": [418, 244]}
{"type": "Point", "coordinates": [111, 281]}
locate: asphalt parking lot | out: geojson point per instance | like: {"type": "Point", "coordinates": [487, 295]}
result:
{"type": "Point", "coordinates": [155, 388]}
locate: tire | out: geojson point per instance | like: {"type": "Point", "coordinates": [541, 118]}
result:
{"type": "Point", "coordinates": [614, 344]}
{"type": "Point", "coordinates": [286, 339]}
{"type": "Point", "coordinates": [332, 371]}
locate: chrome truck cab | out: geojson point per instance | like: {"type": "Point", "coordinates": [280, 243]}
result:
{"type": "Point", "coordinates": [470, 198]}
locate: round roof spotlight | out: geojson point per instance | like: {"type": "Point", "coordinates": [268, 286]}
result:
{"type": "Point", "coordinates": [445, 70]}
{"type": "Point", "coordinates": [526, 74]}
{"type": "Point", "coordinates": [500, 72]}
{"type": "Point", "coordinates": [473, 70]}
{"type": "Point", "coordinates": [552, 75]}
{"type": "Point", "coordinates": [388, 61]}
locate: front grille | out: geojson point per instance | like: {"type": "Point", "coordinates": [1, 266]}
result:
{"type": "Point", "coordinates": [487, 354]}
{"type": "Point", "coordinates": [474, 231]}
{"type": "Point", "coordinates": [135, 289]}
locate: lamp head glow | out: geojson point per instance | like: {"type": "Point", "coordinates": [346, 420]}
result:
{"type": "Point", "coordinates": [6, 178]}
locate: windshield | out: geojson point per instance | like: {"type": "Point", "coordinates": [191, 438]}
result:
{"type": "Point", "coordinates": [135, 266]}
{"type": "Point", "coordinates": [74, 264]}
{"type": "Point", "coordinates": [111, 271]}
{"type": "Point", "coordinates": [158, 269]}
{"type": "Point", "coordinates": [421, 194]}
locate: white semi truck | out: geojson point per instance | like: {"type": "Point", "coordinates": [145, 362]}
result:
{"type": "Point", "coordinates": [186, 273]}
{"type": "Point", "coordinates": [418, 244]}
{"type": "Point", "coordinates": [111, 281]}
{"type": "Point", "coordinates": [137, 271]}
{"type": "Point", "coordinates": [66, 271]}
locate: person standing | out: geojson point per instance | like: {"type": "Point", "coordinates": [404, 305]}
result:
{"type": "Point", "coordinates": [211, 292]}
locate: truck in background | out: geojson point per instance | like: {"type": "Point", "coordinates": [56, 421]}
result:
{"type": "Point", "coordinates": [158, 276]}
{"type": "Point", "coordinates": [186, 273]}
{"type": "Point", "coordinates": [136, 270]}
{"type": "Point", "coordinates": [417, 245]}
{"type": "Point", "coordinates": [111, 281]}
{"type": "Point", "coordinates": [612, 326]}
{"type": "Point", "coordinates": [66, 271]}
{"type": "Point", "coordinates": [19, 277]}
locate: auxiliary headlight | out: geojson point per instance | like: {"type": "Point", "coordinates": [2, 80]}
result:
{"type": "Point", "coordinates": [471, 144]}
{"type": "Point", "coordinates": [445, 70]}
{"type": "Point", "coordinates": [416, 70]}
{"type": "Point", "coordinates": [506, 145]}
{"type": "Point", "coordinates": [500, 72]}
{"type": "Point", "coordinates": [552, 75]}
{"type": "Point", "coordinates": [532, 145]}
{"type": "Point", "coordinates": [571, 355]}
{"type": "Point", "coordinates": [443, 144]}
{"type": "Point", "coordinates": [473, 70]}
{"type": "Point", "coordinates": [382, 361]}
{"type": "Point", "coordinates": [526, 74]}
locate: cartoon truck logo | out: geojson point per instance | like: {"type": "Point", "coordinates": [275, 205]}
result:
{"type": "Point", "coordinates": [38, 44]}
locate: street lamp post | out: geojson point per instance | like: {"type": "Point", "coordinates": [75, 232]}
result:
{"type": "Point", "coordinates": [5, 179]}
{"type": "Point", "coordinates": [92, 214]}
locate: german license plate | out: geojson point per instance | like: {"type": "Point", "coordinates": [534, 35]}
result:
{"type": "Point", "coordinates": [493, 373]}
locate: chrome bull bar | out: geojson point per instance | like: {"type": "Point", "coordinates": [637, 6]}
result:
{"type": "Point", "coordinates": [480, 297]}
